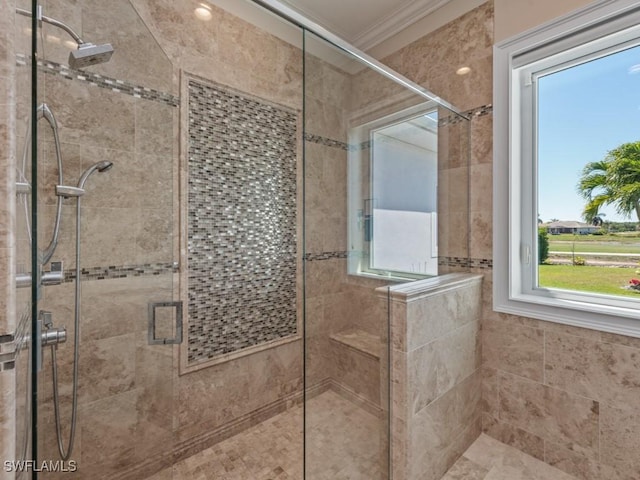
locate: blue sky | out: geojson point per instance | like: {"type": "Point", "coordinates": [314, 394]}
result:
{"type": "Point", "coordinates": [584, 112]}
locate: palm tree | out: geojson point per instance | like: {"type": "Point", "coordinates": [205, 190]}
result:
{"type": "Point", "coordinates": [612, 181]}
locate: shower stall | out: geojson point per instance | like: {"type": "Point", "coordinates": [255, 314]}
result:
{"type": "Point", "coordinates": [231, 287]}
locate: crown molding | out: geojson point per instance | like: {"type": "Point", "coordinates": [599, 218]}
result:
{"type": "Point", "coordinates": [395, 22]}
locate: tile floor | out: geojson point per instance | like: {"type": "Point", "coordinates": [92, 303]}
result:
{"type": "Point", "coordinates": [489, 459]}
{"type": "Point", "coordinates": [343, 443]}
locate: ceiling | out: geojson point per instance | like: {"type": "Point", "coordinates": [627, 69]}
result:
{"type": "Point", "coordinates": [378, 27]}
{"type": "Point", "coordinates": [365, 23]}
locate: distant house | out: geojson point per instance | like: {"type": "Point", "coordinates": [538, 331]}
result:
{"type": "Point", "coordinates": [578, 228]}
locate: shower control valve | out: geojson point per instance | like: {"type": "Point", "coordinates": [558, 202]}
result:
{"type": "Point", "coordinates": [47, 334]}
{"type": "Point", "coordinates": [54, 336]}
{"type": "Point", "coordinates": [50, 335]}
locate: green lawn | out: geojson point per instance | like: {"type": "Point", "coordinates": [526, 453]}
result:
{"type": "Point", "coordinates": [606, 280]}
{"type": "Point", "coordinates": [626, 237]}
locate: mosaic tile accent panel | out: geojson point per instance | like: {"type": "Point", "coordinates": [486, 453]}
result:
{"type": "Point", "coordinates": [241, 222]}
{"type": "Point", "coordinates": [113, 84]}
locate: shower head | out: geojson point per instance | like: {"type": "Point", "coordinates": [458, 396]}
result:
{"type": "Point", "coordinates": [89, 54]}
{"type": "Point", "coordinates": [100, 167]}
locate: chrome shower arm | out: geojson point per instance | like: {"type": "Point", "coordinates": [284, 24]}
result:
{"type": "Point", "coordinates": [54, 22]}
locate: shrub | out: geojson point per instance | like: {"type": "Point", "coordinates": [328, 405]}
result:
{"type": "Point", "coordinates": [543, 245]}
{"type": "Point", "coordinates": [579, 261]}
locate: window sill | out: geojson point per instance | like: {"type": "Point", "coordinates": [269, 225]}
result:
{"type": "Point", "coordinates": [618, 320]}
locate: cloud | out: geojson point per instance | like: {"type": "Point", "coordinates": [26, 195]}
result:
{"type": "Point", "coordinates": [633, 69]}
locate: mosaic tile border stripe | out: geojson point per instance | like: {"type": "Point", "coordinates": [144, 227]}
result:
{"type": "Point", "coordinates": [113, 84]}
{"type": "Point", "coordinates": [472, 113]}
{"type": "Point", "coordinates": [10, 342]}
{"type": "Point", "coordinates": [465, 262]}
{"type": "Point", "coordinates": [310, 257]}
{"type": "Point", "coordinates": [121, 271]}
{"type": "Point", "coordinates": [327, 142]}
{"type": "Point", "coordinates": [481, 263]}
{"type": "Point", "coordinates": [7, 352]}
{"type": "Point", "coordinates": [442, 261]}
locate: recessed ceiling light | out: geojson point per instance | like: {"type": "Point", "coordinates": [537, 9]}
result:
{"type": "Point", "coordinates": [203, 12]}
{"type": "Point", "coordinates": [463, 70]}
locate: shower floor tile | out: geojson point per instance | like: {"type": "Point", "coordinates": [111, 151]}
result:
{"type": "Point", "coordinates": [489, 459]}
{"type": "Point", "coordinates": [342, 443]}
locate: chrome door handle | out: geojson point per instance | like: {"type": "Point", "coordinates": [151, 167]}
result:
{"type": "Point", "coordinates": [153, 340]}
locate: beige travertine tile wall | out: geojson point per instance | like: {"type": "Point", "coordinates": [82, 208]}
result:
{"type": "Point", "coordinates": [374, 97]}
{"type": "Point", "coordinates": [566, 395]}
{"type": "Point", "coordinates": [432, 61]}
{"type": "Point", "coordinates": [435, 373]}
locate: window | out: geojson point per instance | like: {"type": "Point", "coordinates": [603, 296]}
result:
{"type": "Point", "coordinates": [566, 97]}
{"type": "Point", "coordinates": [393, 175]}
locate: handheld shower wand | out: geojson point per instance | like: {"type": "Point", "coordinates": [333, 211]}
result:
{"type": "Point", "coordinates": [65, 453]}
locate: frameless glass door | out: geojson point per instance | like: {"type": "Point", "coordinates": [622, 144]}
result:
{"type": "Point", "coordinates": [106, 207]}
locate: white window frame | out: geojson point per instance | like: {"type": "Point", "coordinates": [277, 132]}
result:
{"type": "Point", "coordinates": [364, 132]}
{"type": "Point", "coordinates": [517, 63]}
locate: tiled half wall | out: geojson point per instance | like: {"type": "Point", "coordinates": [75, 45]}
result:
{"type": "Point", "coordinates": [241, 221]}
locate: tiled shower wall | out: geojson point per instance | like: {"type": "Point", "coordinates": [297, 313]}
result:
{"type": "Point", "coordinates": [566, 395]}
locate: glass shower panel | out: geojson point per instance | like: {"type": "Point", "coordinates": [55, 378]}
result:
{"type": "Point", "coordinates": [113, 266]}
{"type": "Point", "coordinates": [346, 324]}
{"type": "Point", "coordinates": [22, 241]}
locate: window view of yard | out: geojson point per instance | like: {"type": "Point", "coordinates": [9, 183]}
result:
{"type": "Point", "coordinates": [606, 263]}
{"type": "Point", "coordinates": [589, 174]}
